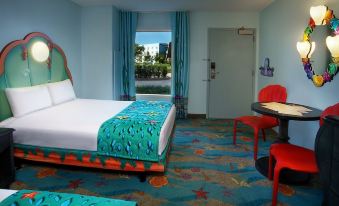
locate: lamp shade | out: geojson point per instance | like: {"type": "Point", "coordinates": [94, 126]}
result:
{"type": "Point", "coordinates": [333, 45]}
{"type": "Point", "coordinates": [305, 49]}
{"type": "Point", "coordinates": [40, 51]}
{"type": "Point", "coordinates": [318, 14]}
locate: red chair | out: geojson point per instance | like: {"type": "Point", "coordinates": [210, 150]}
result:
{"type": "Point", "coordinates": [294, 157]}
{"type": "Point", "coordinates": [271, 93]}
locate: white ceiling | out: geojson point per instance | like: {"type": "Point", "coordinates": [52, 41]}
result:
{"type": "Point", "coordinates": [181, 5]}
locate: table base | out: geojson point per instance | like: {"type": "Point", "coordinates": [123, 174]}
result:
{"type": "Point", "coordinates": [287, 176]}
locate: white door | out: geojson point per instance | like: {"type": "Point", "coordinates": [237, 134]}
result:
{"type": "Point", "coordinates": [231, 73]}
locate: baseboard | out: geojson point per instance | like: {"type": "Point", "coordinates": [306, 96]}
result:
{"type": "Point", "coordinates": [196, 116]}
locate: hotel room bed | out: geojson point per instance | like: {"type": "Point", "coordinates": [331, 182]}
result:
{"type": "Point", "coordinates": [74, 125]}
{"type": "Point", "coordinates": [69, 132]}
{"type": "Point", "coordinates": [29, 197]}
{"type": "Point", "coordinates": [60, 133]}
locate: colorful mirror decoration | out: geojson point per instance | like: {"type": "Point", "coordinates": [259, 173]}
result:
{"type": "Point", "coordinates": [306, 47]}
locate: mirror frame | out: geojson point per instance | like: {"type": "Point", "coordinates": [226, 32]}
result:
{"type": "Point", "coordinates": [332, 69]}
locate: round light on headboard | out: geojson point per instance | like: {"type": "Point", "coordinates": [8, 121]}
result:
{"type": "Point", "coordinates": [40, 51]}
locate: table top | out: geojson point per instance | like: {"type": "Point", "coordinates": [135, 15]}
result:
{"type": "Point", "coordinates": [313, 115]}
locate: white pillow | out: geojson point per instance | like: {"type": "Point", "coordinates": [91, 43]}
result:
{"type": "Point", "coordinates": [61, 91]}
{"type": "Point", "coordinates": [25, 100]}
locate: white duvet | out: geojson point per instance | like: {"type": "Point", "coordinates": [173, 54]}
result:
{"type": "Point", "coordinates": [6, 193]}
{"type": "Point", "coordinates": [74, 124]}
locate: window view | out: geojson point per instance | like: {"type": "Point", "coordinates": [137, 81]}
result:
{"type": "Point", "coordinates": [153, 62]}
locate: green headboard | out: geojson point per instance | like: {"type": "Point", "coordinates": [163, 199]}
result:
{"type": "Point", "coordinates": [19, 69]}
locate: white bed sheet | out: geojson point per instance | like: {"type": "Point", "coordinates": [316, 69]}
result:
{"type": "Point", "coordinates": [74, 124]}
{"type": "Point", "coordinates": [6, 193]}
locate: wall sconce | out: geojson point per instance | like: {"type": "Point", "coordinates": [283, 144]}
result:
{"type": "Point", "coordinates": [40, 51]}
{"type": "Point", "coordinates": [318, 14]}
{"type": "Point", "coordinates": [305, 49]}
{"type": "Point", "coordinates": [333, 45]}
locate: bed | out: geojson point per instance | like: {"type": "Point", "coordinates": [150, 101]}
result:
{"type": "Point", "coordinates": [29, 197]}
{"type": "Point", "coordinates": [74, 132]}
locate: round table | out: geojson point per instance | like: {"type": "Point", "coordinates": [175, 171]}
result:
{"type": "Point", "coordinates": [261, 164]}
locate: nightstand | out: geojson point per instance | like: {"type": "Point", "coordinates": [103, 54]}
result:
{"type": "Point", "coordinates": [7, 169]}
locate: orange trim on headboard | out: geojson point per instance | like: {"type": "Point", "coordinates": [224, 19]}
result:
{"type": "Point", "coordinates": [5, 51]}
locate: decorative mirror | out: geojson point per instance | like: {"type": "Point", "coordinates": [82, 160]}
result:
{"type": "Point", "coordinates": [322, 56]}
{"type": "Point", "coordinates": [322, 23]}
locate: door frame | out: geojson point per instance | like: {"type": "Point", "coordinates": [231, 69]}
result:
{"type": "Point", "coordinates": [254, 73]}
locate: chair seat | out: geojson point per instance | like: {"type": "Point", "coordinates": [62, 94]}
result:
{"type": "Point", "coordinates": [259, 122]}
{"type": "Point", "coordinates": [294, 157]}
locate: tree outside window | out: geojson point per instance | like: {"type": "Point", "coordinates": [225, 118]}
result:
{"type": "Point", "coordinates": [153, 63]}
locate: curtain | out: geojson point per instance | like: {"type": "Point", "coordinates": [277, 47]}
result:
{"type": "Point", "coordinates": [180, 62]}
{"type": "Point", "coordinates": [128, 26]}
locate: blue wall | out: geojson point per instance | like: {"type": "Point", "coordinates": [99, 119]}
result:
{"type": "Point", "coordinates": [281, 26]}
{"type": "Point", "coordinates": [156, 21]}
{"type": "Point", "coordinates": [100, 46]}
{"type": "Point", "coordinates": [97, 52]}
{"type": "Point", "coordinates": [59, 19]}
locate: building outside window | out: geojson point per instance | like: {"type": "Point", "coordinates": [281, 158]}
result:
{"type": "Point", "coordinates": [153, 63]}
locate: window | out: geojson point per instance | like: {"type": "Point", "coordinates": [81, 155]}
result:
{"type": "Point", "coordinates": [153, 63]}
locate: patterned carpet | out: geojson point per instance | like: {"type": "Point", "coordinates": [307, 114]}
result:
{"type": "Point", "coordinates": [205, 168]}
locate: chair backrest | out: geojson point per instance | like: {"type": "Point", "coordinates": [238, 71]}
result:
{"type": "Point", "coordinates": [273, 93]}
{"type": "Point", "coordinates": [332, 110]}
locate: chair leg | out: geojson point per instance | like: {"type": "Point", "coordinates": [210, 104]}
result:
{"type": "Point", "coordinates": [235, 131]}
{"type": "Point", "coordinates": [263, 134]}
{"type": "Point", "coordinates": [270, 165]}
{"type": "Point", "coordinates": [256, 131]}
{"type": "Point", "coordinates": [275, 185]}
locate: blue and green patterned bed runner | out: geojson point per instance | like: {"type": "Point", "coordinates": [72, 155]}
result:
{"type": "Point", "coordinates": [42, 198]}
{"type": "Point", "coordinates": [134, 132]}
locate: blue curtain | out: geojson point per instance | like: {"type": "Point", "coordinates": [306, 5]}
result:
{"type": "Point", "coordinates": [128, 25]}
{"type": "Point", "coordinates": [180, 62]}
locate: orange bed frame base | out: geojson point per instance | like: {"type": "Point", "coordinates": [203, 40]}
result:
{"type": "Point", "coordinates": [70, 159]}
{"type": "Point", "coordinates": [109, 164]}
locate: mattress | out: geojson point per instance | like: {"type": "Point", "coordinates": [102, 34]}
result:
{"type": "Point", "coordinates": [74, 124]}
{"type": "Point", "coordinates": [6, 193]}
